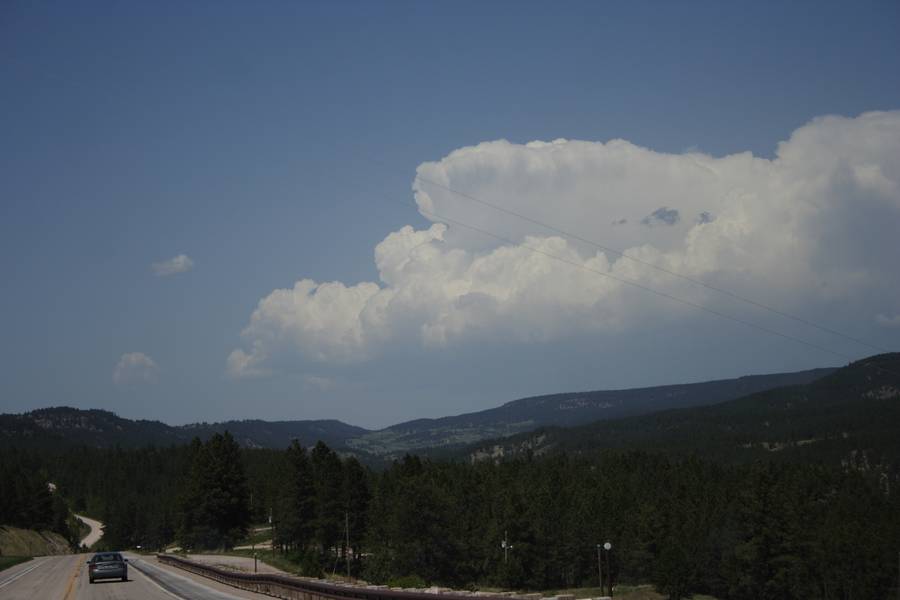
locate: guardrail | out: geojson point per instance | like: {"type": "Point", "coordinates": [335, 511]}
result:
{"type": "Point", "coordinates": [281, 586]}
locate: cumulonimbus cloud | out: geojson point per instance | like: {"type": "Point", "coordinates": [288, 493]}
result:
{"type": "Point", "coordinates": [177, 264]}
{"type": "Point", "coordinates": [135, 367]}
{"type": "Point", "coordinates": [786, 228]}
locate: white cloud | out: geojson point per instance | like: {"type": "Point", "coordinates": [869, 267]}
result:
{"type": "Point", "coordinates": [786, 231]}
{"type": "Point", "coordinates": [178, 264]}
{"type": "Point", "coordinates": [242, 364]}
{"type": "Point", "coordinates": [135, 367]}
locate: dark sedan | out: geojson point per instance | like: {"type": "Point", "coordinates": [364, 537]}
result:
{"type": "Point", "coordinates": [107, 565]}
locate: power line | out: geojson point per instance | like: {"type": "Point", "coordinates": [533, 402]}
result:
{"type": "Point", "coordinates": [654, 266]}
{"type": "Point", "coordinates": [639, 285]}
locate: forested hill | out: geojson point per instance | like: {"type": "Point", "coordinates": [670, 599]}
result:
{"type": "Point", "coordinates": [849, 417]}
{"type": "Point", "coordinates": [578, 408]}
{"type": "Point", "coordinates": [256, 433]}
{"type": "Point", "coordinates": [62, 426]}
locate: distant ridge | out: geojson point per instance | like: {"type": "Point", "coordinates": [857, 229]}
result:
{"type": "Point", "coordinates": [850, 417]}
{"type": "Point", "coordinates": [569, 409]}
{"type": "Point", "coordinates": [64, 426]}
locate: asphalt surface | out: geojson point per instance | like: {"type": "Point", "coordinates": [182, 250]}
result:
{"type": "Point", "coordinates": [96, 530]}
{"type": "Point", "coordinates": [65, 578]}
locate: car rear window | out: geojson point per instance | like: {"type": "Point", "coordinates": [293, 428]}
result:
{"type": "Point", "coordinates": [107, 558]}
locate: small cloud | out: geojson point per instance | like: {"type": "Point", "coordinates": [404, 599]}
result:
{"type": "Point", "coordinates": [241, 364]}
{"type": "Point", "coordinates": [705, 217]}
{"type": "Point", "coordinates": [619, 222]}
{"type": "Point", "coordinates": [887, 321]}
{"type": "Point", "coordinates": [661, 216]}
{"type": "Point", "coordinates": [179, 264]}
{"type": "Point", "coordinates": [135, 367]}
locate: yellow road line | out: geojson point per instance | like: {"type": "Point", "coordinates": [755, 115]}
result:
{"type": "Point", "coordinates": [71, 587]}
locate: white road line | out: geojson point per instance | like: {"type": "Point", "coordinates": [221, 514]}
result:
{"type": "Point", "coordinates": [158, 575]}
{"type": "Point", "coordinates": [153, 581]}
{"type": "Point", "coordinates": [6, 582]}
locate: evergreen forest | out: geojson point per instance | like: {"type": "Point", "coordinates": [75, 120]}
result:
{"type": "Point", "coordinates": [689, 519]}
{"type": "Point", "coordinates": [761, 530]}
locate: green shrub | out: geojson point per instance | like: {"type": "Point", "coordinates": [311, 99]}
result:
{"type": "Point", "coordinates": [408, 581]}
{"type": "Point", "coordinates": [311, 565]}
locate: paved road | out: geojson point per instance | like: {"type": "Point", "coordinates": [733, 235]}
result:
{"type": "Point", "coordinates": [96, 531]}
{"type": "Point", "coordinates": [236, 563]}
{"type": "Point", "coordinates": [65, 578]}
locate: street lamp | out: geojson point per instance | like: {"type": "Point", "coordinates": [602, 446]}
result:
{"type": "Point", "coordinates": [504, 543]}
{"type": "Point", "coordinates": [607, 546]}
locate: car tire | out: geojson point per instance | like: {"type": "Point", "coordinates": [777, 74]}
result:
{"type": "Point", "coordinates": [124, 577]}
{"type": "Point", "coordinates": [91, 579]}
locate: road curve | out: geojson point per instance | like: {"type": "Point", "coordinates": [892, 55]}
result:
{"type": "Point", "coordinates": [96, 531]}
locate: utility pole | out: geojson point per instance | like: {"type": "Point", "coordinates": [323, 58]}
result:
{"type": "Point", "coordinates": [506, 546]}
{"type": "Point", "coordinates": [347, 547]}
{"type": "Point", "coordinates": [599, 568]}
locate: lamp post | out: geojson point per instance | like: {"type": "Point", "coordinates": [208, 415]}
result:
{"type": "Point", "coordinates": [599, 568]}
{"type": "Point", "coordinates": [607, 546]}
{"type": "Point", "coordinates": [506, 546]}
{"type": "Point", "coordinates": [272, 528]}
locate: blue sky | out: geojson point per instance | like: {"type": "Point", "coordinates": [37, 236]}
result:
{"type": "Point", "coordinates": [277, 142]}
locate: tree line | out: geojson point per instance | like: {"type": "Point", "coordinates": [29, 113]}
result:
{"type": "Point", "coordinates": [762, 530]}
{"type": "Point", "coordinates": [765, 530]}
{"type": "Point", "coordinates": [26, 498]}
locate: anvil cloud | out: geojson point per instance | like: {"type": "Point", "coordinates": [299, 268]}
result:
{"type": "Point", "coordinates": [813, 228]}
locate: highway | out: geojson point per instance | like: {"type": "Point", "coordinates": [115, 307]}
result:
{"type": "Point", "coordinates": [65, 578]}
{"type": "Point", "coordinates": [96, 532]}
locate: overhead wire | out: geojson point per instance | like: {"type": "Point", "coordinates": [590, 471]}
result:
{"type": "Point", "coordinates": [445, 219]}
{"type": "Point", "coordinates": [442, 218]}
{"type": "Point", "coordinates": [652, 265]}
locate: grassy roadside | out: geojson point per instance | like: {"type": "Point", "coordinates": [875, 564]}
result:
{"type": "Point", "coordinates": [278, 561]}
{"type": "Point", "coordinates": [26, 542]}
{"type": "Point", "coordinates": [257, 537]}
{"type": "Point", "coordinates": [622, 592]}
{"type": "Point", "coordinates": [11, 561]}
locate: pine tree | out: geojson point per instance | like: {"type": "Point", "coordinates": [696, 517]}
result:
{"type": "Point", "coordinates": [329, 502]}
{"type": "Point", "coordinates": [297, 507]}
{"type": "Point", "coordinates": [357, 495]}
{"type": "Point", "coordinates": [215, 505]}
